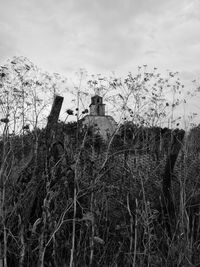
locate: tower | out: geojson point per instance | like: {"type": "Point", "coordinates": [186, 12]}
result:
{"type": "Point", "coordinates": [102, 124]}
{"type": "Point", "coordinates": [97, 108]}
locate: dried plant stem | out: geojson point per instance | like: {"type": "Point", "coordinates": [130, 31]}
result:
{"type": "Point", "coordinates": [92, 234]}
{"type": "Point", "coordinates": [23, 247]}
{"type": "Point", "coordinates": [135, 241]}
{"type": "Point", "coordinates": [42, 241]}
{"type": "Point", "coordinates": [3, 180]}
{"type": "Point", "coordinates": [131, 225]}
{"type": "Point", "coordinates": [92, 206]}
{"type": "Point", "coordinates": [73, 227]}
{"type": "Point", "coordinates": [5, 246]}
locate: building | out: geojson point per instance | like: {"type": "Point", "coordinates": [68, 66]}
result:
{"type": "Point", "coordinates": [103, 124]}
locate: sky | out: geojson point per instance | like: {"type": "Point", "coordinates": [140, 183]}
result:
{"type": "Point", "coordinates": [102, 36]}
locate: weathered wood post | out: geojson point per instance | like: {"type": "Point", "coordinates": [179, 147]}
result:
{"type": "Point", "coordinates": [52, 121]}
{"type": "Point", "coordinates": [54, 114]}
{"type": "Point", "coordinates": [50, 132]}
{"type": "Point", "coordinates": [167, 201]}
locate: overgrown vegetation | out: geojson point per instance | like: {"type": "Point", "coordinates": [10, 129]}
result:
{"type": "Point", "coordinates": [70, 198]}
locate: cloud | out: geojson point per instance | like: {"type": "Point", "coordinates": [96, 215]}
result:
{"type": "Point", "coordinates": [101, 35]}
{"type": "Point", "coordinates": [6, 42]}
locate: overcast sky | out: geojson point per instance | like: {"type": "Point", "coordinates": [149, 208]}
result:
{"type": "Point", "coordinates": [103, 35]}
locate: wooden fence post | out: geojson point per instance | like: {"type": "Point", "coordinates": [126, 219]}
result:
{"type": "Point", "coordinates": [55, 112]}
{"type": "Point", "coordinates": [168, 204]}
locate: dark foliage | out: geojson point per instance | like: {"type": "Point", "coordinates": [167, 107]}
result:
{"type": "Point", "coordinates": [128, 198]}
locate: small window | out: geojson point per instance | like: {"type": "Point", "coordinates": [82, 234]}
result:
{"type": "Point", "coordinates": [98, 110]}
